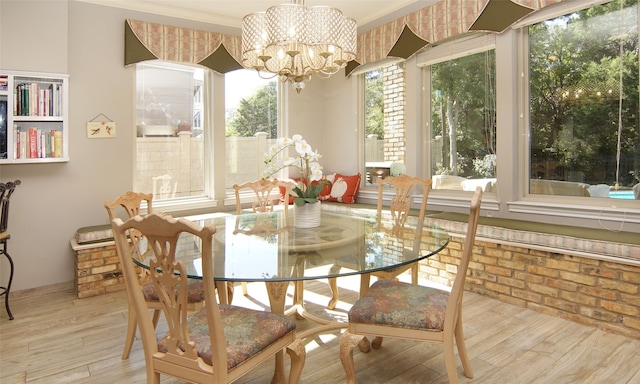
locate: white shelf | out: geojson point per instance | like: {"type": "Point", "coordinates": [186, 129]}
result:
{"type": "Point", "coordinates": [37, 106]}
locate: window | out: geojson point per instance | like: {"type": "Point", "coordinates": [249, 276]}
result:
{"type": "Point", "coordinates": [178, 127]}
{"type": "Point", "coordinates": [251, 114]}
{"type": "Point", "coordinates": [384, 103]}
{"type": "Point", "coordinates": [583, 103]}
{"type": "Point", "coordinates": [170, 153]}
{"type": "Point", "coordinates": [462, 115]}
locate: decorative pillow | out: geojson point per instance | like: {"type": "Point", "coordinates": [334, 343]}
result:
{"type": "Point", "coordinates": [344, 189]}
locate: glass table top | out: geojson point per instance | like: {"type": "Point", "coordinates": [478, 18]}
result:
{"type": "Point", "coordinates": [262, 247]}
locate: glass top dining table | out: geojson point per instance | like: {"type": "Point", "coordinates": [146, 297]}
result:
{"type": "Point", "coordinates": [267, 247]}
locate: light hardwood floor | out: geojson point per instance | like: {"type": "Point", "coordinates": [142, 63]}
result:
{"type": "Point", "coordinates": [57, 338]}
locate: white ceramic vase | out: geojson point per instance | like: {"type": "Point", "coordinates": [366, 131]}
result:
{"type": "Point", "coordinates": [306, 216]}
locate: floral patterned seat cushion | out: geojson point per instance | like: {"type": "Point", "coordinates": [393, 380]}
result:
{"type": "Point", "coordinates": [398, 304]}
{"type": "Point", "coordinates": [195, 291]}
{"type": "Point", "coordinates": [246, 331]}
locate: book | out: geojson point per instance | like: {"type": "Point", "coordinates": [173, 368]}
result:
{"type": "Point", "coordinates": [33, 143]}
{"type": "Point", "coordinates": [3, 129]}
{"type": "Point", "coordinates": [16, 146]}
{"type": "Point", "coordinates": [52, 143]}
{"type": "Point", "coordinates": [23, 144]}
{"type": "Point", "coordinates": [58, 144]}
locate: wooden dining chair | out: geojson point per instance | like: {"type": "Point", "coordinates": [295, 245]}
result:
{"type": "Point", "coordinates": [264, 191]}
{"type": "Point", "coordinates": [391, 308]}
{"type": "Point", "coordinates": [400, 209]}
{"type": "Point", "coordinates": [217, 344]}
{"type": "Point", "coordinates": [131, 204]}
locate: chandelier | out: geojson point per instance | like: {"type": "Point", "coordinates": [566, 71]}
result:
{"type": "Point", "coordinates": [295, 42]}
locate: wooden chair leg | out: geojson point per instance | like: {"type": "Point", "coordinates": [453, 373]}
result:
{"type": "Point", "coordinates": [462, 350]}
{"type": "Point", "coordinates": [231, 289]}
{"type": "Point", "coordinates": [414, 273]}
{"type": "Point", "coordinates": [449, 361]}
{"type": "Point", "coordinates": [364, 345]}
{"type": "Point", "coordinates": [377, 342]}
{"type": "Point", "coordinates": [298, 355]}
{"type": "Point", "coordinates": [348, 342]}
{"type": "Point", "coordinates": [365, 280]}
{"type": "Point", "coordinates": [156, 317]}
{"type": "Point", "coordinates": [131, 333]}
{"type": "Point", "coordinates": [333, 285]}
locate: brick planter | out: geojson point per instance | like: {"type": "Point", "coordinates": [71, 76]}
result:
{"type": "Point", "coordinates": [599, 293]}
{"type": "Point", "coordinates": [98, 269]}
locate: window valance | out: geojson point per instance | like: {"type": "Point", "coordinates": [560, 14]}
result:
{"type": "Point", "coordinates": [401, 38]}
{"type": "Point", "coordinates": [440, 21]}
{"type": "Point", "coordinates": [148, 41]}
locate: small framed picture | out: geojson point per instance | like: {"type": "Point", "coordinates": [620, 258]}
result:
{"type": "Point", "coordinates": [101, 129]}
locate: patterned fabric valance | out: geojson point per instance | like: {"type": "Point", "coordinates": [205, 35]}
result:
{"type": "Point", "coordinates": [402, 37]}
{"type": "Point", "coordinates": [440, 21]}
{"type": "Point", "coordinates": [147, 41]}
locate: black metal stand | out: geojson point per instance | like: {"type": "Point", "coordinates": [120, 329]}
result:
{"type": "Point", "coordinates": [6, 290]}
{"type": "Point", "coordinates": [6, 190]}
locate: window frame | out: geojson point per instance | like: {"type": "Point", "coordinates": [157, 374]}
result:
{"type": "Point", "coordinates": [216, 196]}
{"type": "Point", "coordinates": [610, 214]}
{"type": "Point", "coordinates": [447, 199]}
{"type": "Point", "coordinates": [205, 200]}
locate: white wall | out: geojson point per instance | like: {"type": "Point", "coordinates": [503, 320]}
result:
{"type": "Point", "coordinates": [42, 208]}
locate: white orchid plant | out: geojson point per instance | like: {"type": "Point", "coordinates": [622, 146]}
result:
{"type": "Point", "coordinates": [306, 162]}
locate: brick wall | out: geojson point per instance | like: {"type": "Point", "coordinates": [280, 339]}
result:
{"type": "Point", "coordinates": [594, 292]}
{"type": "Point", "coordinates": [393, 78]}
{"type": "Point", "coordinates": [97, 270]}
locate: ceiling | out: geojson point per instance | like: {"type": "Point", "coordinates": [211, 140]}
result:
{"type": "Point", "coordinates": [230, 13]}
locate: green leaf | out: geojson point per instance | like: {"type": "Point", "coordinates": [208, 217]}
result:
{"type": "Point", "coordinates": [315, 190]}
{"type": "Point", "coordinates": [304, 200]}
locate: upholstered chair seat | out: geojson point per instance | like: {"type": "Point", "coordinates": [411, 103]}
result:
{"type": "Point", "coordinates": [399, 304]}
{"type": "Point", "coordinates": [247, 333]}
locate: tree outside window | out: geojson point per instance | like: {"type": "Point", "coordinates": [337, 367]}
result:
{"type": "Point", "coordinates": [251, 115]}
{"type": "Point", "coordinates": [463, 122]}
{"type": "Point", "coordinates": [584, 111]}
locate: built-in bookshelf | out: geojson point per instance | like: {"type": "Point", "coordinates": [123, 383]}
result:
{"type": "Point", "coordinates": [33, 117]}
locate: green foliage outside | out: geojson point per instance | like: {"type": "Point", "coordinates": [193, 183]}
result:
{"type": "Point", "coordinates": [463, 100]}
{"type": "Point", "coordinates": [256, 113]}
{"type": "Point", "coordinates": [584, 96]}
{"type": "Point", "coordinates": [374, 104]}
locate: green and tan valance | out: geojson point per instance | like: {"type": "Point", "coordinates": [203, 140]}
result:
{"type": "Point", "coordinates": [440, 21]}
{"type": "Point", "coordinates": [401, 38]}
{"type": "Point", "coordinates": [148, 41]}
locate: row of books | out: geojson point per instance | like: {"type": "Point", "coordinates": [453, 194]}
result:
{"type": "Point", "coordinates": [31, 100]}
{"type": "Point", "coordinates": [35, 143]}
